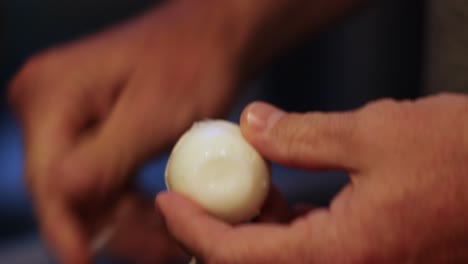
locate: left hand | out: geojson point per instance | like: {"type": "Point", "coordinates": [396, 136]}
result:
{"type": "Point", "coordinates": [96, 109]}
{"type": "Point", "coordinates": [407, 201]}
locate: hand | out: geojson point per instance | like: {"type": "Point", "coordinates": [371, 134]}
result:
{"type": "Point", "coordinates": [407, 201]}
{"type": "Point", "coordinates": [94, 110]}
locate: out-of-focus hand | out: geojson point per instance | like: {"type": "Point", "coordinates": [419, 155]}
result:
{"type": "Point", "coordinates": [94, 110]}
{"type": "Point", "coordinates": [407, 201]}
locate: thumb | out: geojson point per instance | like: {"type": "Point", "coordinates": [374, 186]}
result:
{"type": "Point", "coordinates": [311, 239]}
{"type": "Point", "coordinates": [309, 141]}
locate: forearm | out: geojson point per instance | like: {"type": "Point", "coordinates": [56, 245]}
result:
{"type": "Point", "coordinates": [267, 27]}
{"type": "Point", "coordinates": [248, 33]}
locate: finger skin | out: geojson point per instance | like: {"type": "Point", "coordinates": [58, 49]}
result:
{"type": "Point", "coordinates": [406, 202]}
{"type": "Point", "coordinates": [50, 132]}
{"type": "Point", "coordinates": [214, 241]}
{"type": "Point", "coordinates": [64, 234]}
{"type": "Point", "coordinates": [307, 141]}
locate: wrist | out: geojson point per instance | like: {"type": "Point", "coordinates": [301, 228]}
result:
{"type": "Point", "coordinates": [212, 26]}
{"type": "Point", "coordinates": [254, 31]}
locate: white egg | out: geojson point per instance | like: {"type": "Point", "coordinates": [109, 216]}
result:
{"type": "Point", "coordinates": [217, 168]}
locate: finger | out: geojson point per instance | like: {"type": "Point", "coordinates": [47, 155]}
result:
{"type": "Point", "coordinates": [275, 208]}
{"type": "Point", "coordinates": [216, 242]}
{"type": "Point", "coordinates": [309, 141]}
{"type": "Point", "coordinates": [46, 143]}
{"type": "Point", "coordinates": [63, 233]}
{"type": "Point", "coordinates": [50, 126]}
{"type": "Point", "coordinates": [172, 217]}
{"type": "Point", "coordinates": [140, 234]}
{"type": "Point", "coordinates": [140, 125]}
{"type": "Point", "coordinates": [48, 135]}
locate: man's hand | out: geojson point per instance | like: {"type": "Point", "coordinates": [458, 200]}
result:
{"type": "Point", "coordinates": [94, 110]}
{"type": "Point", "coordinates": [407, 201]}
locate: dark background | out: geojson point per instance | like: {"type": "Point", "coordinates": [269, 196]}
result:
{"type": "Point", "coordinates": [376, 53]}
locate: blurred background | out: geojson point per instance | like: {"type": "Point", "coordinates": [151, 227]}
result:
{"type": "Point", "coordinates": [377, 53]}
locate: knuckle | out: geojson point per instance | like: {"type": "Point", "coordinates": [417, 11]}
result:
{"type": "Point", "coordinates": [295, 132]}
{"type": "Point", "coordinates": [35, 73]}
{"type": "Point", "coordinates": [380, 114]}
{"type": "Point", "coordinates": [458, 104]}
{"type": "Point", "coordinates": [341, 127]}
{"type": "Point", "coordinates": [447, 96]}
{"type": "Point", "coordinates": [337, 128]}
{"type": "Point", "coordinates": [384, 104]}
{"type": "Point", "coordinates": [298, 133]}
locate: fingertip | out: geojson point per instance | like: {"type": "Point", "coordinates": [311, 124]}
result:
{"type": "Point", "coordinates": [311, 140]}
{"type": "Point", "coordinates": [258, 117]}
{"type": "Point", "coordinates": [161, 199]}
{"type": "Point", "coordinates": [170, 203]}
{"type": "Point", "coordinates": [65, 236]}
{"type": "Point", "coordinates": [166, 197]}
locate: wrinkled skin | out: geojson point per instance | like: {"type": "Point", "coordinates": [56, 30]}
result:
{"type": "Point", "coordinates": [406, 203]}
{"type": "Point", "coordinates": [94, 110]}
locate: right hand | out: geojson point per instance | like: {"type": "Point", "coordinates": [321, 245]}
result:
{"type": "Point", "coordinates": [406, 201]}
{"type": "Point", "coordinates": [94, 110]}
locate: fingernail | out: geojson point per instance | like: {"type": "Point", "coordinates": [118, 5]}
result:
{"type": "Point", "coordinates": [262, 116]}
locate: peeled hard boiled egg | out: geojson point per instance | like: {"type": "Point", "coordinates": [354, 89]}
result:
{"type": "Point", "coordinates": [214, 166]}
